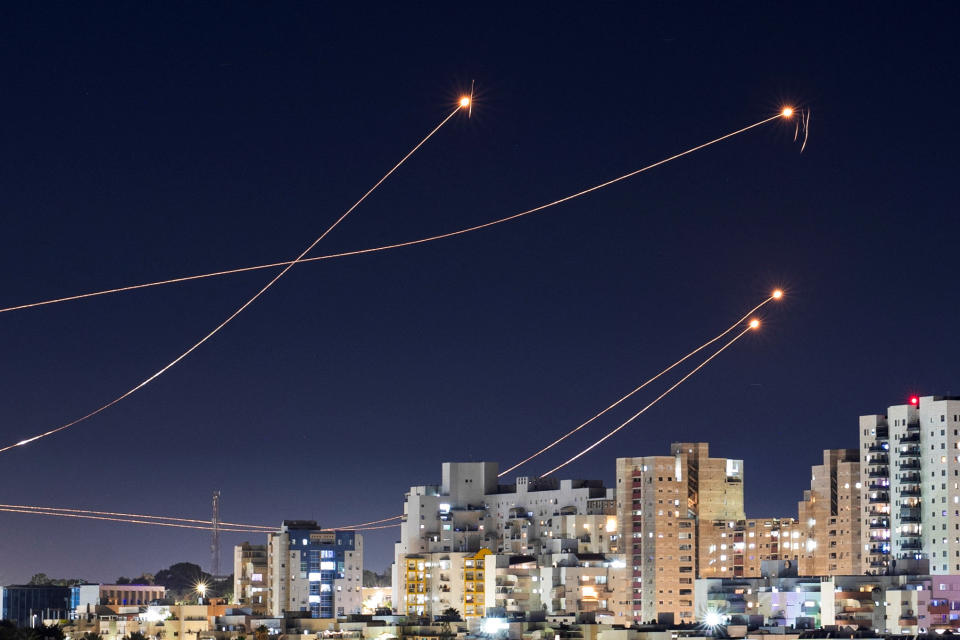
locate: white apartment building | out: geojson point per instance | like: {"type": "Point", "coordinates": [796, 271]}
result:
{"type": "Point", "coordinates": [460, 537]}
{"type": "Point", "coordinates": [911, 485]}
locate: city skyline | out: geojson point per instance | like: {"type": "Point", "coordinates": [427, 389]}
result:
{"type": "Point", "coordinates": [142, 144]}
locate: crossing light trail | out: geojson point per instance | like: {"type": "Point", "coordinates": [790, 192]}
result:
{"type": "Point", "coordinates": [777, 294]}
{"type": "Point", "coordinates": [752, 325]}
{"type": "Point", "coordinates": [785, 114]}
{"type": "Point", "coordinates": [243, 307]}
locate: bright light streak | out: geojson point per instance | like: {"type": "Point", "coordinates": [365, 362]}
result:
{"type": "Point", "coordinates": [644, 384]}
{"type": "Point", "coordinates": [464, 101]}
{"type": "Point", "coordinates": [137, 515]}
{"type": "Point", "coordinates": [787, 112]}
{"type": "Point", "coordinates": [170, 521]}
{"type": "Point", "coordinates": [127, 520]}
{"type": "Point", "coordinates": [387, 247]}
{"type": "Point", "coordinates": [363, 524]}
{"type": "Point", "coordinates": [246, 304]}
{"type": "Point", "coordinates": [655, 401]}
{"type": "Point", "coordinates": [777, 294]}
{"type": "Point", "coordinates": [754, 323]}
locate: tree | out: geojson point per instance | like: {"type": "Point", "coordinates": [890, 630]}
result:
{"type": "Point", "coordinates": [123, 580]}
{"type": "Point", "coordinates": [374, 579]}
{"type": "Point", "coordinates": [182, 576]}
{"type": "Point", "coordinates": [136, 635]}
{"type": "Point", "coordinates": [39, 579]}
{"type": "Point", "coordinates": [90, 635]}
{"type": "Point", "coordinates": [44, 632]}
{"type": "Point", "coordinates": [261, 633]}
{"type": "Point", "coordinates": [450, 615]}
{"type": "Point", "coordinates": [9, 631]}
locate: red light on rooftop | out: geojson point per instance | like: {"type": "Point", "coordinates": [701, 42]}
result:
{"type": "Point", "coordinates": [914, 400]}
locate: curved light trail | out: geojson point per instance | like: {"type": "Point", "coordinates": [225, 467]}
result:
{"type": "Point", "coordinates": [242, 308]}
{"type": "Point", "coordinates": [399, 245]}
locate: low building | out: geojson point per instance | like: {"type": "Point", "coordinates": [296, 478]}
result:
{"type": "Point", "coordinates": [30, 605]}
{"type": "Point", "coordinates": [125, 595]}
{"type": "Point", "coordinates": [885, 604]}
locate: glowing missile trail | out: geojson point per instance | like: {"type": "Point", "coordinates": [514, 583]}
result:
{"type": "Point", "coordinates": [209, 527]}
{"type": "Point", "coordinates": [137, 515]}
{"type": "Point", "coordinates": [354, 526]}
{"type": "Point", "coordinates": [775, 295]}
{"type": "Point", "coordinates": [202, 525]}
{"type": "Point", "coordinates": [750, 327]}
{"type": "Point", "coordinates": [246, 304]}
{"type": "Point", "coordinates": [399, 245]}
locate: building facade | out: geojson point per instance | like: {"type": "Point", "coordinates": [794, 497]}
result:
{"type": "Point", "coordinates": [302, 569]}
{"type": "Point", "coordinates": [664, 505]}
{"type": "Point", "coordinates": [831, 512]}
{"type": "Point", "coordinates": [470, 525]}
{"type": "Point", "coordinates": [251, 576]}
{"type": "Point", "coordinates": [314, 570]}
{"type": "Point", "coordinates": [910, 495]}
{"type": "Point", "coordinates": [30, 605]}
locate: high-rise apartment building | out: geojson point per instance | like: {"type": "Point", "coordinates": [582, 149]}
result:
{"type": "Point", "coordinates": [313, 569]}
{"type": "Point", "coordinates": [911, 489]}
{"type": "Point", "coordinates": [875, 521]}
{"type": "Point", "coordinates": [664, 504]}
{"type": "Point", "coordinates": [831, 512]}
{"type": "Point", "coordinates": [302, 568]}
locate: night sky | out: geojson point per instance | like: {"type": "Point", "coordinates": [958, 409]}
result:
{"type": "Point", "coordinates": [142, 141]}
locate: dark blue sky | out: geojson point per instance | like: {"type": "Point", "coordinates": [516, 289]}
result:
{"type": "Point", "coordinates": [145, 141]}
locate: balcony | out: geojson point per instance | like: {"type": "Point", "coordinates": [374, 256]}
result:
{"type": "Point", "coordinates": [910, 451]}
{"type": "Point", "coordinates": [883, 472]}
{"type": "Point", "coordinates": [915, 544]}
{"type": "Point", "coordinates": [910, 438]}
{"type": "Point", "coordinates": [876, 486]}
{"type": "Point", "coordinates": [911, 465]}
{"type": "Point", "coordinates": [910, 492]}
{"type": "Point", "coordinates": [910, 534]}
{"type": "Point", "coordinates": [910, 478]}
{"type": "Point", "coordinates": [879, 498]}
{"type": "Point", "coordinates": [910, 515]}
{"type": "Point", "coordinates": [879, 447]}
{"type": "Point", "coordinates": [878, 458]}
{"type": "Point", "coordinates": [880, 524]}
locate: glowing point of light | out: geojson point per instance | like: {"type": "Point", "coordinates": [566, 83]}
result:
{"type": "Point", "coordinates": [787, 112]}
{"type": "Point", "coordinates": [713, 619]}
{"type": "Point", "coordinates": [464, 101]}
{"type": "Point", "coordinates": [201, 588]}
{"type": "Point", "coordinates": [777, 294]}
{"type": "Point", "coordinates": [914, 400]}
{"type": "Point", "coordinates": [493, 625]}
{"type": "Point", "coordinates": [754, 323]}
